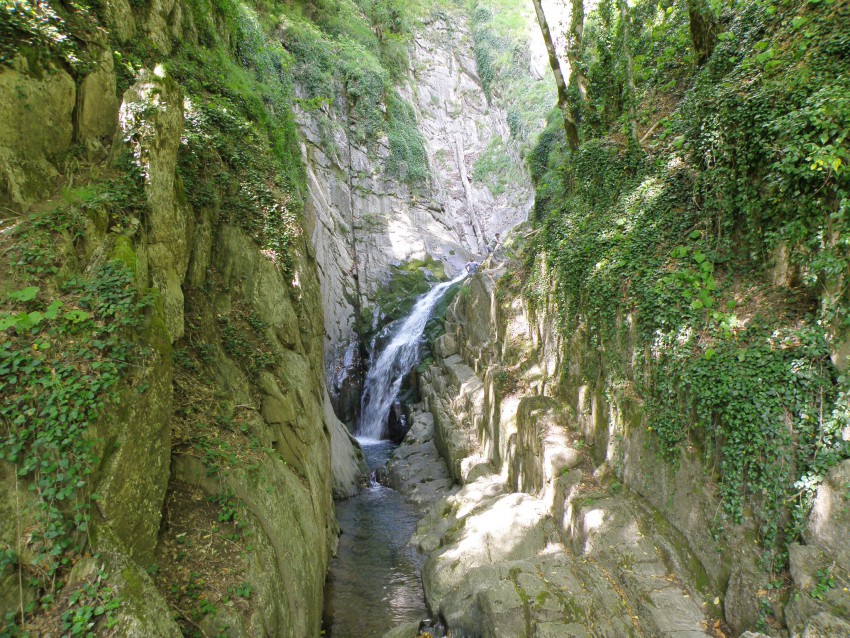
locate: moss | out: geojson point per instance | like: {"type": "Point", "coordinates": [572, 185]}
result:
{"type": "Point", "coordinates": [396, 298]}
{"type": "Point", "coordinates": [123, 252]}
{"type": "Point", "coordinates": [135, 587]}
{"type": "Point", "coordinates": [156, 333]}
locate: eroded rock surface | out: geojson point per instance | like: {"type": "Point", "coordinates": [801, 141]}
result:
{"type": "Point", "coordinates": [566, 522]}
{"type": "Point", "coordinates": [367, 219]}
{"type": "Point", "coordinates": [537, 541]}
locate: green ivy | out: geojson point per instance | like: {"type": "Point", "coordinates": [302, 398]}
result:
{"type": "Point", "coordinates": [41, 30]}
{"type": "Point", "coordinates": [59, 369]}
{"type": "Point", "coordinates": [679, 237]}
{"type": "Point", "coordinates": [408, 159]}
{"type": "Point", "coordinates": [500, 32]}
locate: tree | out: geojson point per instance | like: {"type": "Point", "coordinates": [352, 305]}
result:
{"type": "Point", "coordinates": [703, 29]}
{"type": "Point", "coordinates": [570, 126]}
{"type": "Point", "coordinates": [630, 77]}
{"type": "Point", "coordinates": [577, 77]}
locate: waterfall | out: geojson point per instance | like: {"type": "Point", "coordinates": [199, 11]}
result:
{"type": "Point", "coordinates": [383, 380]}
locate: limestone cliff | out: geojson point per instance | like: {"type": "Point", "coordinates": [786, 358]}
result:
{"type": "Point", "coordinates": [565, 508]}
{"type": "Point", "coordinates": [172, 453]}
{"type": "Point", "coordinates": [368, 219]}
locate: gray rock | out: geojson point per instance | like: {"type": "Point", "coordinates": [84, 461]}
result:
{"type": "Point", "coordinates": [361, 219]}
{"type": "Point", "coordinates": [151, 117]}
{"type": "Point", "coordinates": [408, 630]}
{"type": "Point", "coordinates": [741, 603]}
{"type": "Point", "coordinates": [416, 468]}
{"type": "Point", "coordinates": [828, 525]}
{"type": "Point", "coordinates": [825, 625]}
{"type": "Point", "coordinates": [97, 104]}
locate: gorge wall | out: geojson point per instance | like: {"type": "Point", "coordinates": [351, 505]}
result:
{"type": "Point", "coordinates": [170, 449]}
{"type": "Point", "coordinates": [649, 411]}
{"type": "Point", "coordinates": [211, 236]}
{"type": "Point", "coordinates": [370, 217]}
{"type": "Point", "coordinates": [565, 508]}
{"type": "Point", "coordinates": [642, 405]}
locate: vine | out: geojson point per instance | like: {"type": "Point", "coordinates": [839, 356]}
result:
{"type": "Point", "coordinates": [682, 238]}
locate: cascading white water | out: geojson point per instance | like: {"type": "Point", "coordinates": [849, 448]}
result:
{"type": "Point", "coordinates": [384, 378]}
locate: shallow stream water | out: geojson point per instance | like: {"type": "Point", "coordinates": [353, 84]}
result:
{"type": "Point", "coordinates": [374, 582]}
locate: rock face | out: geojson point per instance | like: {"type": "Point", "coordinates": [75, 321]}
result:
{"type": "Point", "coordinates": [566, 522]}
{"type": "Point", "coordinates": [272, 452]}
{"type": "Point", "coordinates": [366, 220]}
{"type": "Point", "coordinates": [36, 128]}
{"type": "Point", "coordinates": [537, 541]}
{"type": "Point", "coordinates": [417, 470]}
{"type": "Point", "coordinates": [820, 570]}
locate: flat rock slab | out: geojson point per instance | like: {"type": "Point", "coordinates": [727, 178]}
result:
{"type": "Point", "coordinates": [416, 469]}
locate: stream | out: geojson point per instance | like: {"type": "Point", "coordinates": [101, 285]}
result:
{"type": "Point", "coordinates": [374, 582]}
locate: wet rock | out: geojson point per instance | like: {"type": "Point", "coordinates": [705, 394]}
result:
{"type": "Point", "coordinates": [382, 476]}
{"type": "Point", "coordinates": [362, 219]}
{"type": "Point", "coordinates": [347, 461]}
{"type": "Point", "coordinates": [407, 630]}
{"type": "Point", "coordinates": [396, 423]}
{"type": "Point", "coordinates": [416, 468]}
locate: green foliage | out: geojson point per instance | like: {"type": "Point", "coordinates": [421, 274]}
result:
{"type": "Point", "coordinates": [229, 507]}
{"type": "Point", "coordinates": [778, 155]}
{"type": "Point", "coordinates": [755, 398]}
{"type": "Point", "coordinates": [408, 159]}
{"type": "Point", "coordinates": [496, 168]}
{"type": "Point", "coordinates": [824, 584]}
{"type": "Point", "coordinates": [88, 604]}
{"type": "Point", "coordinates": [41, 30]}
{"type": "Point", "coordinates": [360, 60]}
{"type": "Point", "coordinates": [660, 47]}
{"type": "Point", "coordinates": [245, 338]}
{"type": "Point", "coordinates": [395, 299]}
{"type": "Point", "coordinates": [500, 30]}
{"type": "Point", "coordinates": [506, 382]}
{"type": "Point", "coordinates": [240, 158]}
{"type": "Point", "coordinates": [679, 241]}
{"type": "Point", "coordinates": [242, 591]}
{"type": "Point", "coordinates": [57, 375]}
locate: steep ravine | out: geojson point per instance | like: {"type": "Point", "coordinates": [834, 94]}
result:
{"type": "Point", "coordinates": [194, 242]}
{"type": "Point", "coordinates": [175, 453]}
{"type": "Point", "coordinates": [562, 520]}
{"type": "Point", "coordinates": [151, 194]}
{"type": "Point", "coordinates": [367, 220]}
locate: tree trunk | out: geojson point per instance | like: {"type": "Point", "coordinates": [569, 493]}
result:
{"type": "Point", "coordinates": [703, 29]}
{"type": "Point", "coordinates": [574, 48]}
{"type": "Point", "coordinates": [570, 126]}
{"type": "Point", "coordinates": [630, 78]}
